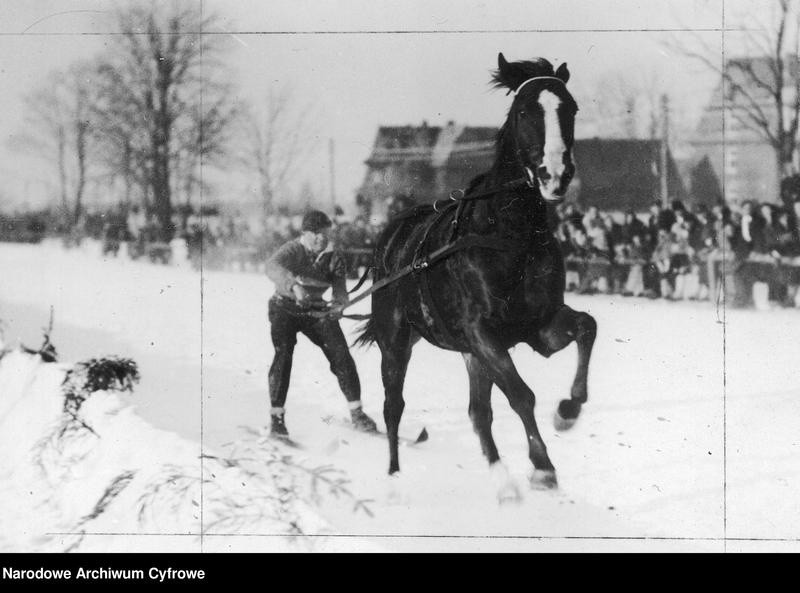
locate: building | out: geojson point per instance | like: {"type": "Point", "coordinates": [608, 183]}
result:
{"type": "Point", "coordinates": [427, 162]}
{"type": "Point", "coordinates": [739, 155]}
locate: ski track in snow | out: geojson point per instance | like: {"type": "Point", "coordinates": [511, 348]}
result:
{"type": "Point", "coordinates": [672, 452]}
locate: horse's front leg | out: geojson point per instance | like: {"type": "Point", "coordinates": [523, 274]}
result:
{"type": "Point", "coordinates": [480, 412]}
{"type": "Point", "coordinates": [565, 326]}
{"type": "Point", "coordinates": [502, 372]}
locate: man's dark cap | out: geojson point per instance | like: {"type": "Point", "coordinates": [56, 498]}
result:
{"type": "Point", "coordinates": [315, 221]}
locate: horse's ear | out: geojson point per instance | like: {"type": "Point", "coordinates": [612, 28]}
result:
{"type": "Point", "coordinates": [501, 63]}
{"type": "Point", "coordinates": [562, 72]}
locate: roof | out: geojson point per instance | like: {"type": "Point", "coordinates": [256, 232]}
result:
{"type": "Point", "coordinates": [611, 173]}
{"type": "Point", "coordinates": [478, 134]}
{"type": "Point", "coordinates": [407, 136]}
{"type": "Point", "coordinates": [617, 174]}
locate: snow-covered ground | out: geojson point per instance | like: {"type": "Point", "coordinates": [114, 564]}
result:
{"type": "Point", "coordinates": [690, 439]}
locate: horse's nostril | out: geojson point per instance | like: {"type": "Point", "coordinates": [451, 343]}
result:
{"type": "Point", "coordinates": [542, 174]}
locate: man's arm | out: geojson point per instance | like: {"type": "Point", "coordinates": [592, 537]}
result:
{"type": "Point", "coordinates": [284, 266]}
{"type": "Point", "coordinates": [338, 279]}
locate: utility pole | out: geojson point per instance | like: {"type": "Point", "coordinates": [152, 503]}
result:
{"type": "Point", "coordinates": [331, 155]}
{"type": "Point", "coordinates": [664, 151]}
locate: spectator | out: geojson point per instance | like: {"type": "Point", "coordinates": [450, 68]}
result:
{"type": "Point", "coordinates": [786, 245]}
{"type": "Point", "coordinates": [637, 258]}
{"type": "Point", "coordinates": [570, 218]}
{"type": "Point", "coordinates": [592, 215]}
{"type": "Point", "coordinates": [598, 235]}
{"type": "Point", "coordinates": [770, 233]}
{"type": "Point", "coordinates": [731, 243]}
{"type": "Point", "coordinates": [701, 235]}
{"type": "Point", "coordinates": [620, 265]}
{"type": "Point", "coordinates": [680, 264]}
{"type": "Point", "coordinates": [751, 227]}
{"type": "Point", "coordinates": [572, 214]}
{"type": "Point", "coordinates": [631, 227]}
{"type": "Point", "coordinates": [660, 220]}
{"type": "Point", "coordinates": [662, 259]}
{"type": "Point", "coordinates": [614, 232]}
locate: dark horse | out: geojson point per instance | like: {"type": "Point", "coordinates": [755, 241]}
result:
{"type": "Point", "coordinates": [504, 285]}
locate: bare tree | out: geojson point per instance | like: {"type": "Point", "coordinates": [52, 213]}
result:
{"type": "Point", "coordinates": [278, 138]}
{"type": "Point", "coordinates": [628, 104]}
{"type": "Point", "coordinates": [763, 90]}
{"type": "Point", "coordinates": [614, 106]}
{"type": "Point", "coordinates": [57, 129]}
{"type": "Point", "coordinates": [122, 145]}
{"type": "Point", "coordinates": [167, 109]}
{"type": "Point", "coordinates": [203, 139]}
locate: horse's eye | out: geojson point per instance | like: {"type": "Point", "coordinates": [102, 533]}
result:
{"type": "Point", "coordinates": [522, 113]}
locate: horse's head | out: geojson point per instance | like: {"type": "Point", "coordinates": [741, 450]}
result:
{"type": "Point", "coordinates": [541, 122]}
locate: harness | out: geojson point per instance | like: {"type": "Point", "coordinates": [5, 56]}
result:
{"type": "Point", "coordinates": [422, 260]}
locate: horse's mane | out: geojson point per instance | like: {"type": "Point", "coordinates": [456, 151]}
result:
{"type": "Point", "coordinates": [522, 70]}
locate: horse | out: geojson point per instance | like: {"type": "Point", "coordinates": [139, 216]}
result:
{"type": "Point", "coordinates": [488, 272]}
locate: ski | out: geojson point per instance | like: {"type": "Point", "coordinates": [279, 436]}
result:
{"type": "Point", "coordinates": [285, 440]}
{"type": "Point", "coordinates": [405, 440]}
{"type": "Point", "coordinates": [264, 433]}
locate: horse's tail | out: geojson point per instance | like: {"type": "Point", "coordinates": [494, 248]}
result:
{"type": "Point", "coordinates": [366, 336]}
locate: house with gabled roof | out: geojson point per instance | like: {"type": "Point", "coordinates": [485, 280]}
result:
{"type": "Point", "coordinates": [427, 162]}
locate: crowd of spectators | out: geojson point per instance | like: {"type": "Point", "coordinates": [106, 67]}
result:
{"type": "Point", "coordinates": [682, 253]}
{"type": "Point", "coordinates": [238, 244]}
{"type": "Point", "coordinates": [676, 252]}
{"type": "Point", "coordinates": [226, 241]}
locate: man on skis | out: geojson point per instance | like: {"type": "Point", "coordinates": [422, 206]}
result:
{"type": "Point", "coordinates": [302, 270]}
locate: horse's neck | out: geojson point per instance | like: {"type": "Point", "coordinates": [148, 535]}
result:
{"type": "Point", "coordinates": [519, 213]}
{"type": "Point", "coordinates": [516, 213]}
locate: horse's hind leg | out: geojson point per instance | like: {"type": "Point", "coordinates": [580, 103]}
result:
{"type": "Point", "coordinates": [395, 354]}
{"type": "Point", "coordinates": [565, 326]}
{"type": "Point", "coordinates": [480, 406]}
{"type": "Point", "coordinates": [480, 412]}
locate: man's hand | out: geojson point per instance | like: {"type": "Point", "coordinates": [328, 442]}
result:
{"type": "Point", "coordinates": [300, 293]}
{"type": "Point", "coordinates": [336, 311]}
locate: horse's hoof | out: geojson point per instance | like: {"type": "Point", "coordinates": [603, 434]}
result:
{"type": "Point", "coordinates": [561, 423]}
{"type": "Point", "coordinates": [509, 494]}
{"type": "Point", "coordinates": [396, 494]}
{"type": "Point", "coordinates": [544, 479]}
{"type": "Point", "coordinates": [566, 415]}
{"type": "Point", "coordinates": [507, 489]}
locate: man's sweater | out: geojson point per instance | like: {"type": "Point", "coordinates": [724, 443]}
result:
{"type": "Point", "coordinates": [293, 264]}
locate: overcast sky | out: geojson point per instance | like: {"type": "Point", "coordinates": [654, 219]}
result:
{"type": "Point", "coordinates": [361, 64]}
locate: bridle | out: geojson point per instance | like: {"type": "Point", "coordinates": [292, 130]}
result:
{"type": "Point", "coordinates": [529, 178]}
{"type": "Point", "coordinates": [530, 175]}
{"type": "Point", "coordinates": [519, 88]}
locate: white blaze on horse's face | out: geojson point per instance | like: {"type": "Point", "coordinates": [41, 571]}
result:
{"type": "Point", "coordinates": [551, 171]}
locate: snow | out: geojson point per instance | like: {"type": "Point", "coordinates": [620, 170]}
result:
{"type": "Point", "coordinates": [86, 485]}
{"type": "Point", "coordinates": [688, 442]}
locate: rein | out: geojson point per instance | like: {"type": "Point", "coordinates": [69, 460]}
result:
{"type": "Point", "coordinates": [418, 265]}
